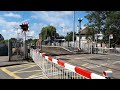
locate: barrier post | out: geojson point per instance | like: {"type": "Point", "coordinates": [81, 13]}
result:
{"type": "Point", "coordinates": [107, 74]}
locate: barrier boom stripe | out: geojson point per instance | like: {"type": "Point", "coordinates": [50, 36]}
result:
{"type": "Point", "coordinates": [83, 72]}
{"type": "Point", "coordinates": [61, 63]}
{"type": "Point", "coordinates": [73, 68]}
{"type": "Point", "coordinates": [49, 58]}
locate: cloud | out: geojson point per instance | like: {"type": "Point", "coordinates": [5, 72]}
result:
{"type": "Point", "coordinates": [12, 15]}
{"type": "Point", "coordinates": [37, 19]}
{"type": "Point", "coordinates": [56, 18]}
{"type": "Point", "coordinates": [26, 20]}
{"type": "Point", "coordinates": [8, 29]}
{"type": "Point", "coordinates": [3, 31]}
{"type": "Point", "coordinates": [52, 16]}
{"type": "Point", "coordinates": [35, 29]}
{"type": "Point", "coordinates": [49, 16]}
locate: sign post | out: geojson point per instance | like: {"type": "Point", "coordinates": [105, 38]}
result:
{"type": "Point", "coordinates": [110, 37]}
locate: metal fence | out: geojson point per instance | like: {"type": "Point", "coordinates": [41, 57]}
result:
{"type": "Point", "coordinates": [57, 69]}
{"type": "Point", "coordinates": [108, 50]}
{"type": "Point", "coordinates": [91, 48]}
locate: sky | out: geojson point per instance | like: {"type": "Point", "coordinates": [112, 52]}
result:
{"type": "Point", "coordinates": [62, 20]}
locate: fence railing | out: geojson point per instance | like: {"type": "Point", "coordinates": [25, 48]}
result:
{"type": "Point", "coordinates": [57, 69]}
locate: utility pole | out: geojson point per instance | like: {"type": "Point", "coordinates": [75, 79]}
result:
{"type": "Point", "coordinates": [80, 20]}
{"type": "Point", "coordinates": [73, 29]}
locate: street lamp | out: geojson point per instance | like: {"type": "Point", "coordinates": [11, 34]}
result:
{"type": "Point", "coordinates": [73, 29]}
{"type": "Point", "coordinates": [79, 20]}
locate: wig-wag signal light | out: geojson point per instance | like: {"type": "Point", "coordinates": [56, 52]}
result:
{"type": "Point", "coordinates": [25, 27]}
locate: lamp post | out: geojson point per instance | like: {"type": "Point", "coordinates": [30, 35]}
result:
{"type": "Point", "coordinates": [73, 29]}
{"type": "Point", "coordinates": [79, 20]}
{"type": "Point", "coordinates": [9, 48]}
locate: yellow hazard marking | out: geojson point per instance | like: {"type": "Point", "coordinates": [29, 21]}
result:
{"type": "Point", "coordinates": [22, 65]}
{"type": "Point", "coordinates": [28, 71]}
{"type": "Point", "coordinates": [25, 66]}
{"type": "Point", "coordinates": [38, 73]}
{"type": "Point", "coordinates": [10, 73]}
{"type": "Point", "coordinates": [35, 75]}
{"type": "Point", "coordinates": [24, 69]}
{"type": "Point", "coordinates": [85, 64]}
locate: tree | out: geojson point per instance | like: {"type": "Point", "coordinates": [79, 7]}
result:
{"type": "Point", "coordinates": [4, 41]}
{"type": "Point", "coordinates": [90, 32]}
{"type": "Point", "coordinates": [34, 41]}
{"type": "Point", "coordinates": [29, 41]}
{"type": "Point", "coordinates": [48, 31]}
{"type": "Point", "coordinates": [13, 40]}
{"type": "Point", "coordinates": [106, 22]}
{"type": "Point", "coordinates": [69, 36]}
{"type": "Point", "coordinates": [96, 20]}
{"type": "Point", "coordinates": [112, 26]}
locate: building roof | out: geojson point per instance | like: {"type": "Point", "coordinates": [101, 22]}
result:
{"type": "Point", "coordinates": [83, 32]}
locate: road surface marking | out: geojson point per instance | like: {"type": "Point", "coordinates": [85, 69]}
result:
{"type": "Point", "coordinates": [116, 62]}
{"type": "Point", "coordinates": [85, 64]}
{"type": "Point", "coordinates": [93, 66]}
{"type": "Point", "coordinates": [22, 65]}
{"type": "Point", "coordinates": [109, 70]}
{"type": "Point", "coordinates": [37, 75]}
{"type": "Point", "coordinates": [28, 71]}
{"type": "Point", "coordinates": [17, 71]}
{"type": "Point", "coordinates": [10, 73]}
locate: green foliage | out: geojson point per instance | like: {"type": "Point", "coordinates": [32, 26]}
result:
{"type": "Point", "coordinates": [90, 32]}
{"type": "Point", "coordinates": [13, 40]}
{"type": "Point", "coordinates": [95, 19]}
{"type": "Point", "coordinates": [34, 41]}
{"type": "Point", "coordinates": [3, 41]}
{"type": "Point", "coordinates": [69, 36]}
{"type": "Point", "coordinates": [29, 41]}
{"type": "Point", "coordinates": [108, 22]}
{"type": "Point", "coordinates": [48, 31]}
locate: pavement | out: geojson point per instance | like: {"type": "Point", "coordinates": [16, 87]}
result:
{"type": "Point", "coordinates": [19, 69]}
{"type": "Point", "coordinates": [22, 71]}
{"type": "Point", "coordinates": [4, 61]}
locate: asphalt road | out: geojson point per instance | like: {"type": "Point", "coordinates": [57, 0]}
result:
{"type": "Point", "coordinates": [95, 63]}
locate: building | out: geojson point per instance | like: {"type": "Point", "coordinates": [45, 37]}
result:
{"type": "Point", "coordinates": [39, 42]}
{"type": "Point", "coordinates": [88, 43]}
{"type": "Point", "coordinates": [83, 40]}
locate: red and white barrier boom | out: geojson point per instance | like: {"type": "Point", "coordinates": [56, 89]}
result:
{"type": "Point", "coordinates": [54, 68]}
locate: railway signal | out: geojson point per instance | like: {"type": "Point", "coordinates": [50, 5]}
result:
{"type": "Point", "coordinates": [25, 28]}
